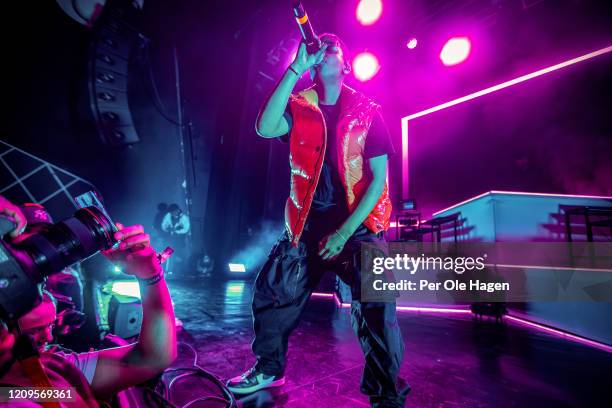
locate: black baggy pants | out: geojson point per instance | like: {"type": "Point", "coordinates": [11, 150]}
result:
{"type": "Point", "coordinates": [281, 292]}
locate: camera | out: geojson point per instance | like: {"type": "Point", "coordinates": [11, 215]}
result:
{"type": "Point", "coordinates": [25, 264]}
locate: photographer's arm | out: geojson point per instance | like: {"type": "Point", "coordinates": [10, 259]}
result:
{"type": "Point", "coordinates": [122, 367]}
{"type": "Point", "coordinates": [273, 121]}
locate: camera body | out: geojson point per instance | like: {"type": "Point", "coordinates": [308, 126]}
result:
{"type": "Point", "coordinates": [24, 265]}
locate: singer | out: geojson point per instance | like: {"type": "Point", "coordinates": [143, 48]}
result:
{"type": "Point", "coordinates": [339, 146]}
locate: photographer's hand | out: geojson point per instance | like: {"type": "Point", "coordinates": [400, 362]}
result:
{"type": "Point", "coordinates": [135, 254]}
{"type": "Point", "coordinates": [10, 209]}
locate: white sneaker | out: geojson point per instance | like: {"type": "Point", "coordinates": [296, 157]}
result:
{"type": "Point", "coordinates": [252, 381]}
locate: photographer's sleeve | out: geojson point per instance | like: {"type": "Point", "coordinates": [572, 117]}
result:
{"type": "Point", "coordinates": [85, 362]}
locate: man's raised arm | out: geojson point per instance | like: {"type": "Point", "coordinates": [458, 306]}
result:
{"type": "Point", "coordinates": [273, 121]}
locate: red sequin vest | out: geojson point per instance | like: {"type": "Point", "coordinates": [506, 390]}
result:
{"type": "Point", "coordinates": [307, 143]}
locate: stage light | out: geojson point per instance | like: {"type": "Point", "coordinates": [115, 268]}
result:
{"type": "Point", "coordinates": [117, 270]}
{"type": "Point", "coordinates": [455, 51]}
{"type": "Point", "coordinates": [369, 11]}
{"type": "Point", "coordinates": [126, 288]}
{"type": "Point", "coordinates": [412, 43]}
{"type": "Point", "coordinates": [365, 66]}
{"type": "Point", "coordinates": [234, 288]}
{"type": "Point", "coordinates": [237, 267]}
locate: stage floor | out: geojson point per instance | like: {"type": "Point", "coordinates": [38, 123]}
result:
{"type": "Point", "coordinates": [450, 361]}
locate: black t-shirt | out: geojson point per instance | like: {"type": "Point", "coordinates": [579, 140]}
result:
{"type": "Point", "coordinates": [329, 208]}
{"type": "Point", "coordinates": [330, 192]}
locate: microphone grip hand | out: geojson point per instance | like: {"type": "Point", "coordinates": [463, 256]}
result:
{"type": "Point", "coordinates": [304, 61]}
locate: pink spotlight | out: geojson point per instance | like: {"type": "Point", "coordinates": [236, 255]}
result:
{"type": "Point", "coordinates": [365, 66]}
{"type": "Point", "coordinates": [455, 51]}
{"type": "Point", "coordinates": [412, 43]}
{"type": "Point", "coordinates": [369, 11]}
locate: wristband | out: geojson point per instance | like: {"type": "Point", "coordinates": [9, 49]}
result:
{"type": "Point", "coordinates": [152, 280]}
{"type": "Point", "coordinates": [341, 236]}
{"type": "Point", "coordinates": [294, 71]}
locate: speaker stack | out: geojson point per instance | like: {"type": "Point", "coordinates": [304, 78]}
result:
{"type": "Point", "coordinates": [114, 41]}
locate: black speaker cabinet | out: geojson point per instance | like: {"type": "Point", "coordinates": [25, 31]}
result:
{"type": "Point", "coordinates": [113, 43]}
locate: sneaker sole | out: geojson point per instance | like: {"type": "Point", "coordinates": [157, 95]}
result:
{"type": "Point", "coordinates": [255, 388]}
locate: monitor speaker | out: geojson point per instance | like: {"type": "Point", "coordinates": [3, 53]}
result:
{"type": "Point", "coordinates": [125, 316]}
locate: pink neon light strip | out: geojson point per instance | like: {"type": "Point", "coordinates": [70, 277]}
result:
{"type": "Point", "coordinates": [515, 319]}
{"type": "Point", "coordinates": [401, 308]}
{"type": "Point", "coordinates": [560, 333]}
{"type": "Point", "coordinates": [521, 193]}
{"type": "Point", "coordinates": [474, 95]}
{"type": "Point", "coordinates": [320, 294]}
{"type": "Point", "coordinates": [511, 82]}
{"type": "Point", "coordinates": [432, 309]}
{"type": "Point", "coordinates": [461, 203]}
{"type": "Point", "coordinates": [548, 194]}
{"type": "Point", "coordinates": [404, 159]}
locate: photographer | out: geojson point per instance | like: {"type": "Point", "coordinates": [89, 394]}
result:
{"type": "Point", "coordinates": [101, 374]}
{"type": "Point", "coordinates": [175, 226]}
{"type": "Point", "coordinates": [66, 287]}
{"type": "Point", "coordinates": [175, 222]}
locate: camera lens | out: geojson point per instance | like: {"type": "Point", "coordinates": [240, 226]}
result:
{"type": "Point", "coordinates": [68, 241]}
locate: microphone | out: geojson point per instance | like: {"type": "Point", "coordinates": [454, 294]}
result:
{"type": "Point", "coordinates": [308, 35]}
